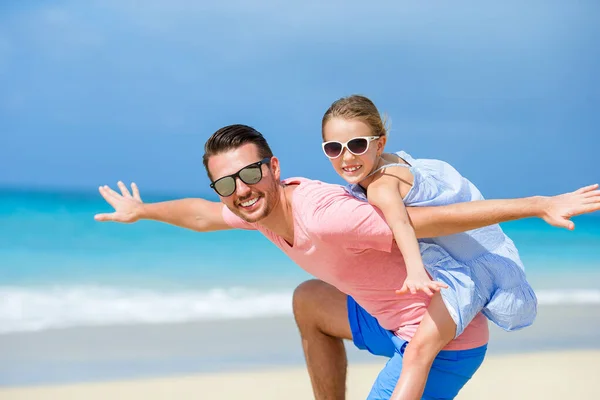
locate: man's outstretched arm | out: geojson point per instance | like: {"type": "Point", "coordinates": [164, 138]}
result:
{"type": "Point", "coordinates": [360, 225]}
{"type": "Point", "coordinates": [462, 217]}
{"type": "Point", "coordinates": [195, 214]}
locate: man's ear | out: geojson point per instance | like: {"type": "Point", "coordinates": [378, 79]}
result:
{"type": "Point", "coordinates": [275, 168]}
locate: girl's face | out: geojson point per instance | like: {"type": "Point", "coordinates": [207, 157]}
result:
{"type": "Point", "coordinates": [349, 165]}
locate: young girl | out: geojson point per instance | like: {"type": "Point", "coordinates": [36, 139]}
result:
{"type": "Point", "coordinates": [476, 271]}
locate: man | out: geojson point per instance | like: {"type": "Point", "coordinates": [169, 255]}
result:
{"type": "Point", "coordinates": [347, 244]}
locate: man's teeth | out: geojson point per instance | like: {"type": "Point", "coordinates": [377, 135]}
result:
{"type": "Point", "coordinates": [352, 169]}
{"type": "Point", "coordinates": [250, 202]}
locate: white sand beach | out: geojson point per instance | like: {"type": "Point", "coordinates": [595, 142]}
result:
{"type": "Point", "coordinates": [546, 375]}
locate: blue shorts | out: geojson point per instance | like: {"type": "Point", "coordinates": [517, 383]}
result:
{"type": "Point", "coordinates": [449, 372]}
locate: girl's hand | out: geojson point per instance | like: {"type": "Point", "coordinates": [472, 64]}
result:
{"type": "Point", "coordinates": [420, 282]}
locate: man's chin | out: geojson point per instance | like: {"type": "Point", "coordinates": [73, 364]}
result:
{"type": "Point", "coordinates": [251, 216]}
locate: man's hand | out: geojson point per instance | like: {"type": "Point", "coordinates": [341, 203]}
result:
{"type": "Point", "coordinates": [557, 210]}
{"type": "Point", "coordinates": [128, 206]}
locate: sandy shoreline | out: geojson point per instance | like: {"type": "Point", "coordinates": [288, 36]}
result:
{"type": "Point", "coordinates": [556, 358]}
{"type": "Point", "coordinates": [114, 353]}
{"type": "Point", "coordinates": [544, 375]}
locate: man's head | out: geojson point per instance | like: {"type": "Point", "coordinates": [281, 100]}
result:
{"type": "Point", "coordinates": [243, 171]}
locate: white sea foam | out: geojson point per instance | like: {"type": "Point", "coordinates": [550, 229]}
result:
{"type": "Point", "coordinates": [569, 296]}
{"type": "Point", "coordinates": [25, 309]}
{"type": "Point", "coordinates": [32, 309]}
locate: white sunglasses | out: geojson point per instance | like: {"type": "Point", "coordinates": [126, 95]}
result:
{"type": "Point", "coordinates": [357, 146]}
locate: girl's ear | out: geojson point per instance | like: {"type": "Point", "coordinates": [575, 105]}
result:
{"type": "Point", "coordinates": [381, 145]}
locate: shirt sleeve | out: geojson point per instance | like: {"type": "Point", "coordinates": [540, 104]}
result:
{"type": "Point", "coordinates": [234, 221]}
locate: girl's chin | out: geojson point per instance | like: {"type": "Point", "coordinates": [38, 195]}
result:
{"type": "Point", "coordinates": [353, 178]}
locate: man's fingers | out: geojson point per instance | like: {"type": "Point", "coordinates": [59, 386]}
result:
{"type": "Point", "coordinates": [124, 190]}
{"type": "Point", "coordinates": [564, 223]}
{"type": "Point", "coordinates": [136, 192]}
{"type": "Point", "coordinates": [593, 195]}
{"type": "Point", "coordinates": [111, 192]}
{"type": "Point", "coordinates": [107, 194]}
{"type": "Point", "coordinates": [104, 217]}
{"type": "Point", "coordinates": [587, 188]}
{"type": "Point", "coordinates": [586, 209]}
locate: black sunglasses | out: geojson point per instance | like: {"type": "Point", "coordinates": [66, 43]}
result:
{"type": "Point", "coordinates": [250, 175]}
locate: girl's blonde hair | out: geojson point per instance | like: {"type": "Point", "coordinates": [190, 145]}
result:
{"type": "Point", "coordinates": [357, 107]}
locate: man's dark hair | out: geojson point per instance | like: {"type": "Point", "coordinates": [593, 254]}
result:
{"type": "Point", "coordinates": [230, 138]}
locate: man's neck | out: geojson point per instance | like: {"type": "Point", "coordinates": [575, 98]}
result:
{"type": "Point", "coordinates": [281, 220]}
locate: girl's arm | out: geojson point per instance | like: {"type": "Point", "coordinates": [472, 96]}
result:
{"type": "Point", "coordinates": [384, 193]}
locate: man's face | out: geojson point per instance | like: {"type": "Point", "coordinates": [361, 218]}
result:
{"type": "Point", "coordinates": [251, 202]}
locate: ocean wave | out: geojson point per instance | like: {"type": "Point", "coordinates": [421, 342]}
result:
{"type": "Point", "coordinates": [34, 309]}
{"type": "Point", "coordinates": [25, 309]}
{"type": "Point", "coordinates": [568, 296]}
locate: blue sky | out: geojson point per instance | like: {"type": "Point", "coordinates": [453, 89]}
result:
{"type": "Point", "coordinates": [96, 91]}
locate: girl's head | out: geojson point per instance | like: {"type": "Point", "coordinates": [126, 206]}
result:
{"type": "Point", "coordinates": [354, 136]}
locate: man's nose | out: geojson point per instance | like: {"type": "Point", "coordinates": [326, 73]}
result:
{"type": "Point", "coordinates": [241, 189]}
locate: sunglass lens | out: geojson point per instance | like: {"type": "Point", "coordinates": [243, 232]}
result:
{"type": "Point", "coordinates": [358, 146]}
{"type": "Point", "coordinates": [225, 187]}
{"type": "Point", "coordinates": [251, 175]}
{"type": "Point", "coordinates": [332, 149]}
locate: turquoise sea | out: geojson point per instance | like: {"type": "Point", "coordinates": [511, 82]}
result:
{"type": "Point", "coordinates": [60, 268]}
